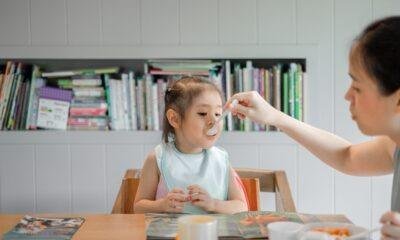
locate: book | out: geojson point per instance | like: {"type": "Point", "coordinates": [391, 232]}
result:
{"type": "Point", "coordinates": [44, 228]}
{"type": "Point", "coordinates": [53, 108]}
{"type": "Point", "coordinates": [70, 73]}
{"type": "Point", "coordinates": [33, 100]}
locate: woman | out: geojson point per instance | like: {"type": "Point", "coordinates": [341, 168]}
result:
{"type": "Point", "coordinates": [374, 96]}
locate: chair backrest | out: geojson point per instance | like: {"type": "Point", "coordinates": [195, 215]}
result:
{"type": "Point", "coordinates": [272, 181]}
{"type": "Point", "coordinates": [253, 180]}
{"type": "Point", "coordinates": [252, 189]}
{"type": "Point", "coordinates": [127, 192]}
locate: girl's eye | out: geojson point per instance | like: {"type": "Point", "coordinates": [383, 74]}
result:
{"type": "Point", "coordinates": [203, 114]}
{"type": "Point", "coordinates": [218, 114]}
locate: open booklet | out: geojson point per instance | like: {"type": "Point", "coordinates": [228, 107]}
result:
{"type": "Point", "coordinates": [238, 225]}
{"type": "Point", "coordinates": [44, 228]}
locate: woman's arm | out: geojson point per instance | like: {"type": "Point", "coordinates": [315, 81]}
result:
{"type": "Point", "coordinates": [146, 193]}
{"type": "Point", "coordinates": [374, 157]}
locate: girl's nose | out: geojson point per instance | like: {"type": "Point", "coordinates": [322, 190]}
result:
{"type": "Point", "coordinates": [212, 120]}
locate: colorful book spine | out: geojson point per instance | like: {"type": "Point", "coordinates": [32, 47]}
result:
{"type": "Point", "coordinates": [148, 102]}
{"type": "Point", "coordinates": [132, 101]}
{"type": "Point", "coordinates": [292, 73]}
{"type": "Point", "coordinates": [285, 93]}
{"type": "Point", "coordinates": [154, 102]}
{"type": "Point", "coordinates": [298, 96]}
{"type": "Point", "coordinates": [125, 101]}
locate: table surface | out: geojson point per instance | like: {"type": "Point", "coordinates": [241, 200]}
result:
{"type": "Point", "coordinates": [96, 226]}
{"type": "Point", "coordinates": [112, 226]}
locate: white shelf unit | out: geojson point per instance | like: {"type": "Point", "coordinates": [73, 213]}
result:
{"type": "Point", "coordinates": [43, 166]}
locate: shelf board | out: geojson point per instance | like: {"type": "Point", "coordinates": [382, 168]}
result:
{"type": "Point", "coordinates": [129, 137]}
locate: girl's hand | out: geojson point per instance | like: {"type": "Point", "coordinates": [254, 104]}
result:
{"type": "Point", "coordinates": [200, 198]}
{"type": "Point", "coordinates": [253, 106]}
{"type": "Point", "coordinates": [391, 225]}
{"type": "Point", "coordinates": [174, 201]}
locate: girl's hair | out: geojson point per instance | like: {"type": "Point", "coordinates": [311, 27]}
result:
{"type": "Point", "coordinates": [379, 46]}
{"type": "Point", "coordinates": [179, 96]}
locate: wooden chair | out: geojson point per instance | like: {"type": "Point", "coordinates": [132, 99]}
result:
{"type": "Point", "coordinates": [254, 182]}
{"type": "Point", "coordinates": [127, 192]}
{"type": "Point", "coordinates": [269, 181]}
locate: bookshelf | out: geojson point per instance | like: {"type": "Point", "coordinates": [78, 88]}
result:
{"type": "Point", "coordinates": [140, 67]}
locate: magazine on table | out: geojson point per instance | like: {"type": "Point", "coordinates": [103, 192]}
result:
{"type": "Point", "coordinates": [238, 225]}
{"type": "Point", "coordinates": [44, 228]}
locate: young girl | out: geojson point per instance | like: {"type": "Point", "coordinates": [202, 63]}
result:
{"type": "Point", "coordinates": [186, 173]}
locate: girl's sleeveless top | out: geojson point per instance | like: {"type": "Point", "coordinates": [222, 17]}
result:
{"type": "Point", "coordinates": [209, 169]}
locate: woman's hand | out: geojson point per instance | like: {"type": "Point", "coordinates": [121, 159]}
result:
{"type": "Point", "coordinates": [253, 106]}
{"type": "Point", "coordinates": [200, 198]}
{"type": "Point", "coordinates": [174, 201]}
{"type": "Point", "coordinates": [391, 225]}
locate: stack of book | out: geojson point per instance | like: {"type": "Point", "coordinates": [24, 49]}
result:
{"type": "Point", "coordinates": [88, 107]}
{"type": "Point", "coordinates": [88, 110]}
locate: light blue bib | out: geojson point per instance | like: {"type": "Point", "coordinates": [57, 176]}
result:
{"type": "Point", "coordinates": [208, 169]}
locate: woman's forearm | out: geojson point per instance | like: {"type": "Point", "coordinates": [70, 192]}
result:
{"type": "Point", "coordinates": [331, 149]}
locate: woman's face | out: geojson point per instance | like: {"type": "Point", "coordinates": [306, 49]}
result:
{"type": "Point", "coordinates": [374, 113]}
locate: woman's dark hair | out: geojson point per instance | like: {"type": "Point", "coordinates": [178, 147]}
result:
{"type": "Point", "coordinates": [379, 46]}
{"type": "Point", "coordinates": [179, 96]}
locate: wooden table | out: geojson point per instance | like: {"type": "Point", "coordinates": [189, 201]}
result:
{"type": "Point", "coordinates": [101, 226]}
{"type": "Point", "coordinates": [113, 226]}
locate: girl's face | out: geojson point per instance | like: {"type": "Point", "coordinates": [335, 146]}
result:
{"type": "Point", "coordinates": [191, 136]}
{"type": "Point", "coordinates": [374, 113]}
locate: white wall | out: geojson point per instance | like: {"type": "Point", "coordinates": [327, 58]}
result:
{"type": "Point", "coordinates": [80, 172]}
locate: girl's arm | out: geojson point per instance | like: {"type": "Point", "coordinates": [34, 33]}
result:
{"type": "Point", "coordinates": [146, 193]}
{"type": "Point", "coordinates": [236, 199]}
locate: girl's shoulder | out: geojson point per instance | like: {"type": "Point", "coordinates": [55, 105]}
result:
{"type": "Point", "coordinates": [218, 149]}
{"type": "Point", "coordinates": [219, 152]}
{"type": "Point", "coordinates": [161, 148]}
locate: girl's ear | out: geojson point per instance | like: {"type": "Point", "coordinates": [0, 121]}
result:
{"type": "Point", "coordinates": [173, 118]}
